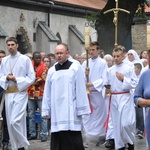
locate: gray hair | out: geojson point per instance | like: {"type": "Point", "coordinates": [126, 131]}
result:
{"type": "Point", "coordinates": [107, 56]}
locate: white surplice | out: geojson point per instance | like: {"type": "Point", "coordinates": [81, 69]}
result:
{"type": "Point", "coordinates": [93, 124]}
{"type": "Point", "coordinates": [15, 103]}
{"type": "Point", "coordinates": [122, 105]}
{"type": "Point", "coordinates": [65, 99]}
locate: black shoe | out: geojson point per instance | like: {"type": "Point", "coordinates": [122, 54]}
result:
{"type": "Point", "coordinates": [140, 134]}
{"type": "Point", "coordinates": [22, 148]}
{"type": "Point", "coordinates": [110, 145]}
{"type": "Point", "coordinates": [5, 147]}
{"type": "Point", "coordinates": [100, 141]}
{"type": "Point", "coordinates": [123, 148]}
{"type": "Point", "coordinates": [43, 139]}
{"type": "Point", "coordinates": [131, 147]}
{"type": "Point", "coordinates": [32, 138]}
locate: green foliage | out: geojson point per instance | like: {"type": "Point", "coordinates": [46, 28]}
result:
{"type": "Point", "coordinates": [91, 18]}
{"type": "Point", "coordinates": [141, 9]}
{"type": "Point", "coordinates": [139, 13]}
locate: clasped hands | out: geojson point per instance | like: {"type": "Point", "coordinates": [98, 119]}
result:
{"type": "Point", "coordinates": [11, 77]}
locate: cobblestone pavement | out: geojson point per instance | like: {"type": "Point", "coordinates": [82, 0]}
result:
{"type": "Point", "coordinates": [38, 145]}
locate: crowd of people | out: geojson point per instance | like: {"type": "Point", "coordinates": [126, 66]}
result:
{"type": "Point", "coordinates": [74, 99]}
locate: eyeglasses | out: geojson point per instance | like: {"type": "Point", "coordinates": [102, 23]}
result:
{"type": "Point", "coordinates": [46, 61]}
{"type": "Point", "coordinates": [10, 44]}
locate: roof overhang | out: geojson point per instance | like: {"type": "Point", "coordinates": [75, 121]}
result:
{"type": "Point", "coordinates": [2, 32]}
{"type": "Point", "coordinates": [74, 29]}
{"type": "Point", "coordinates": [92, 4]}
{"type": "Point", "coordinates": [49, 33]}
{"type": "Point", "coordinates": [56, 7]}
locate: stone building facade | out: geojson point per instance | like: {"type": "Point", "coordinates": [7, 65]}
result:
{"type": "Point", "coordinates": [41, 26]}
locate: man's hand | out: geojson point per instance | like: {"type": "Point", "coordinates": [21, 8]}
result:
{"type": "Point", "coordinates": [89, 84]}
{"type": "Point", "coordinates": [11, 77]}
{"type": "Point", "coordinates": [120, 76]}
{"type": "Point", "coordinates": [107, 91]}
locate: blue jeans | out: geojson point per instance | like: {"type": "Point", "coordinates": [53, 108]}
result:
{"type": "Point", "coordinates": [147, 127]}
{"type": "Point", "coordinates": [32, 105]}
{"type": "Point", "coordinates": [140, 119]}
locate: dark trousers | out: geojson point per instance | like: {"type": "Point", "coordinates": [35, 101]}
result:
{"type": "Point", "coordinates": [139, 119]}
{"type": "Point", "coordinates": [5, 129]}
{"type": "Point", "coordinates": [67, 140]}
{"type": "Point", "coordinates": [130, 147]}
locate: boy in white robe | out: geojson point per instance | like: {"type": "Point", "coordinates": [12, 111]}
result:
{"type": "Point", "coordinates": [17, 74]}
{"type": "Point", "coordinates": [120, 77]}
{"type": "Point", "coordinates": [65, 101]}
{"type": "Point", "coordinates": [110, 136]}
{"type": "Point", "coordinates": [93, 123]}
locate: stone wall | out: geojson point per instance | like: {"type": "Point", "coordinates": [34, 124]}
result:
{"type": "Point", "coordinates": [139, 37]}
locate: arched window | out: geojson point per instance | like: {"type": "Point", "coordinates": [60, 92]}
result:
{"type": "Point", "coordinates": [23, 41]}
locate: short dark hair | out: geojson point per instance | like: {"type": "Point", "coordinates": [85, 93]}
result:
{"type": "Point", "coordinates": [95, 43]}
{"type": "Point", "coordinates": [117, 49]}
{"type": "Point", "coordinates": [12, 39]}
{"type": "Point", "coordinates": [35, 53]}
{"type": "Point", "coordinates": [138, 65]}
{"type": "Point", "coordinates": [2, 51]}
{"type": "Point", "coordinates": [102, 53]}
{"type": "Point", "coordinates": [51, 55]}
{"type": "Point", "coordinates": [142, 53]}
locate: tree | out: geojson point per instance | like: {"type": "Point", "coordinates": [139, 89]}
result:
{"type": "Point", "coordinates": [105, 26]}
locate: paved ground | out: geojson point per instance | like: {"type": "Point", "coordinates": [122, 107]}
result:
{"type": "Point", "coordinates": [38, 145]}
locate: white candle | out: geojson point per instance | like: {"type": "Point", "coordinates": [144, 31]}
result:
{"type": "Point", "coordinates": [87, 36]}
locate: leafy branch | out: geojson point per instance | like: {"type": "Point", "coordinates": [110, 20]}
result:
{"type": "Point", "coordinates": [141, 9]}
{"type": "Point", "coordinates": [91, 18]}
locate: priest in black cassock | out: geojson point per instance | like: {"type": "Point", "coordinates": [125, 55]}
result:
{"type": "Point", "coordinates": [65, 101]}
